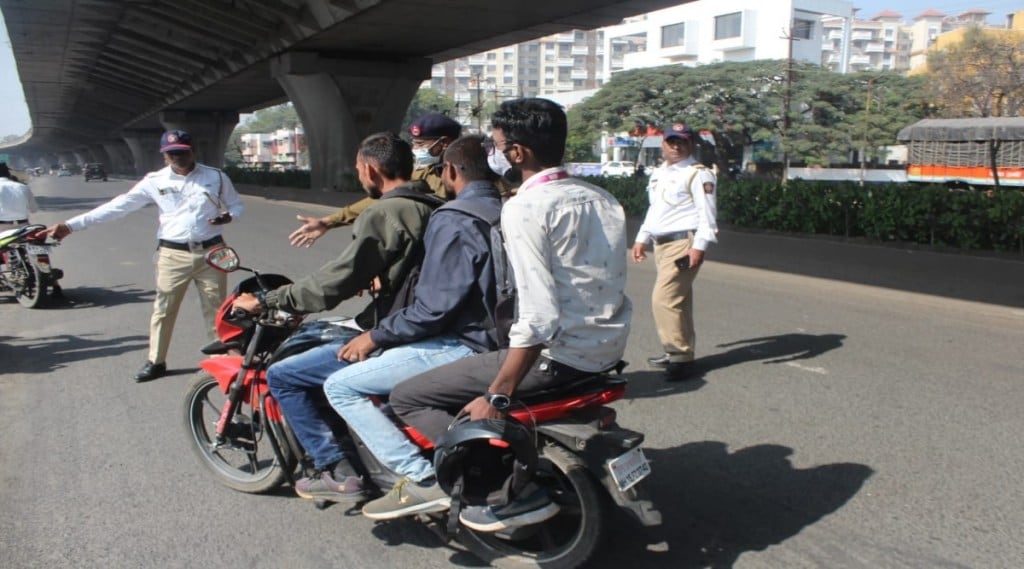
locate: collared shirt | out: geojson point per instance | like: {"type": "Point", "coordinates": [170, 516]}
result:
{"type": "Point", "coordinates": [566, 242]}
{"type": "Point", "coordinates": [456, 291]}
{"type": "Point", "coordinates": [674, 207]}
{"type": "Point", "coordinates": [16, 200]}
{"type": "Point", "coordinates": [186, 203]}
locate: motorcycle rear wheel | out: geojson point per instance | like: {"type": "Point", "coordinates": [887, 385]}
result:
{"type": "Point", "coordinates": [28, 283]}
{"type": "Point", "coordinates": [246, 461]}
{"type": "Point", "coordinates": [565, 541]}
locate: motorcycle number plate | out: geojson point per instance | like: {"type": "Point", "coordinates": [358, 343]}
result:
{"type": "Point", "coordinates": [37, 249]}
{"type": "Point", "coordinates": [629, 468]}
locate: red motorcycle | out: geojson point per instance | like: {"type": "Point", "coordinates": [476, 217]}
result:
{"type": "Point", "coordinates": [576, 448]}
{"type": "Point", "coordinates": [25, 269]}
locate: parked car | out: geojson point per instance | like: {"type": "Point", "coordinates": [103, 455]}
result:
{"type": "Point", "coordinates": [95, 171]}
{"type": "Point", "coordinates": [617, 168]}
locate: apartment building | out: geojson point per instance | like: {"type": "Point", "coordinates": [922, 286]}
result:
{"type": "Point", "coordinates": [724, 30]}
{"type": "Point", "coordinates": [283, 149]}
{"type": "Point", "coordinates": [560, 63]}
{"type": "Point", "coordinates": [879, 43]}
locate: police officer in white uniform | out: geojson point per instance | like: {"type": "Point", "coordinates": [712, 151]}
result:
{"type": "Point", "coordinates": [16, 200]}
{"type": "Point", "coordinates": [195, 201]}
{"type": "Point", "coordinates": [681, 223]}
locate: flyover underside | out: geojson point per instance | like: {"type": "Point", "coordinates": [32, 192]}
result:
{"type": "Point", "coordinates": [94, 69]}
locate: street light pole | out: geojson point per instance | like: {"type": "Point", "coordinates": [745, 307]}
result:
{"type": "Point", "coordinates": [787, 95]}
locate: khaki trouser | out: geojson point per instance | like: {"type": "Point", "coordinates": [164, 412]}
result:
{"type": "Point", "coordinates": [672, 300]}
{"type": "Point", "coordinates": [174, 271]}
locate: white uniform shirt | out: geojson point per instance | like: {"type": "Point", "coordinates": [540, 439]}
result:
{"type": "Point", "coordinates": [16, 200]}
{"type": "Point", "coordinates": [186, 203]}
{"type": "Point", "coordinates": [566, 242]}
{"type": "Point", "coordinates": [674, 207]}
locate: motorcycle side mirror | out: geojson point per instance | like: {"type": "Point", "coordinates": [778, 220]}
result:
{"type": "Point", "coordinates": [223, 258]}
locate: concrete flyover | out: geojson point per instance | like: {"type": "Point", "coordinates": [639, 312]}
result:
{"type": "Point", "coordinates": [103, 78]}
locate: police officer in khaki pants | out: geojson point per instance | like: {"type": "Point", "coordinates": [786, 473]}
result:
{"type": "Point", "coordinates": [680, 221]}
{"type": "Point", "coordinates": [195, 201]}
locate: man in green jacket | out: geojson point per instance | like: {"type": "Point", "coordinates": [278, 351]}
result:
{"type": "Point", "coordinates": [431, 134]}
{"type": "Point", "coordinates": [387, 244]}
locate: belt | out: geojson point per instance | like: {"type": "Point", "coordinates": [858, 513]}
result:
{"type": "Point", "coordinates": [15, 222]}
{"type": "Point", "coordinates": [674, 236]}
{"type": "Point", "coordinates": [194, 245]}
{"type": "Point", "coordinates": [551, 367]}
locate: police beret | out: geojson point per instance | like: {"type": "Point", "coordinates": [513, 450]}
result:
{"type": "Point", "coordinates": [678, 130]}
{"type": "Point", "coordinates": [435, 125]}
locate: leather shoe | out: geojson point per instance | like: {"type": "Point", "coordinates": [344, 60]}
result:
{"type": "Point", "coordinates": [150, 371]}
{"type": "Point", "coordinates": [664, 360]}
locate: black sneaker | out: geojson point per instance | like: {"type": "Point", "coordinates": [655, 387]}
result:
{"type": "Point", "coordinates": [523, 511]}
{"type": "Point", "coordinates": [323, 486]}
{"type": "Point", "coordinates": [150, 371]}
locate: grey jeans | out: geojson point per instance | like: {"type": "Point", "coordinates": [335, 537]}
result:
{"type": "Point", "coordinates": [430, 401]}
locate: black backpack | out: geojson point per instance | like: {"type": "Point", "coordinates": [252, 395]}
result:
{"type": "Point", "coordinates": [504, 308]}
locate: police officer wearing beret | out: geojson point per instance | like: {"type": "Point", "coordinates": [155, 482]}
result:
{"type": "Point", "coordinates": [195, 202]}
{"type": "Point", "coordinates": [681, 223]}
{"type": "Point", "coordinates": [431, 134]}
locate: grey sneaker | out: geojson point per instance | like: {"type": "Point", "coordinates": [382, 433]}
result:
{"type": "Point", "coordinates": [407, 498]}
{"type": "Point", "coordinates": [527, 510]}
{"type": "Point", "coordinates": [322, 486]}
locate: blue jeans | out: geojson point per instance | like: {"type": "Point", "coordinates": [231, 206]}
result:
{"type": "Point", "coordinates": [296, 383]}
{"type": "Point", "coordinates": [348, 388]}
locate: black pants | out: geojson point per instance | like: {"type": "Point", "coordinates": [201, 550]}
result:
{"type": "Point", "coordinates": [430, 401]}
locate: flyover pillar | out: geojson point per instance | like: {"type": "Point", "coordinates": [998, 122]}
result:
{"type": "Point", "coordinates": [341, 101]}
{"type": "Point", "coordinates": [210, 131]}
{"type": "Point", "coordinates": [99, 154]}
{"type": "Point", "coordinates": [120, 157]}
{"type": "Point", "coordinates": [144, 145]}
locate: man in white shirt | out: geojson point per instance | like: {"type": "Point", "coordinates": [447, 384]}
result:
{"type": "Point", "coordinates": [16, 200]}
{"type": "Point", "coordinates": [681, 223]}
{"type": "Point", "coordinates": [566, 243]}
{"type": "Point", "coordinates": [195, 201]}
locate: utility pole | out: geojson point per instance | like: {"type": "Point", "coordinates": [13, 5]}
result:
{"type": "Point", "coordinates": [864, 138]}
{"type": "Point", "coordinates": [478, 107]}
{"type": "Point", "coordinates": [787, 95]}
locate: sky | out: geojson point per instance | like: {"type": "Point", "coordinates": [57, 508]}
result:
{"type": "Point", "coordinates": [14, 116]}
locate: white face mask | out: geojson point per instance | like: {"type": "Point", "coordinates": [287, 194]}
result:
{"type": "Point", "coordinates": [498, 163]}
{"type": "Point", "coordinates": [423, 158]}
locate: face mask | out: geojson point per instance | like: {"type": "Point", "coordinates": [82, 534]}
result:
{"type": "Point", "coordinates": [423, 157]}
{"type": "Point", "coordinates": [498, 163]}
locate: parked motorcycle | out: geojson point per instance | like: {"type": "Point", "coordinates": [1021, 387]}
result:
{"type": "Point", "coordinates": [25, 269]}
{"type": "Point", "coordinates": [582, 456]}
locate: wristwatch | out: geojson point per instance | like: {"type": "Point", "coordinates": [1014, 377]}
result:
{"type": "Point", "coordinates": [499, 401]}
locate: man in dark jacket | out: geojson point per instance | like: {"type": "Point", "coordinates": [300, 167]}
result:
{"type": "Point", "coordinates": [387, 244]}
{"type": "Point", "coordinates": [451, 317]}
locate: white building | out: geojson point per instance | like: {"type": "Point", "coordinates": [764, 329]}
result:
{"type": "Point", "coordinates": [881, 42]}
{"type": "Point", "coordinates": [723, 30]}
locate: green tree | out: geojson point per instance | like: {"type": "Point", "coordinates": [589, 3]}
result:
{"type": "Point", "coordinates": [980, 76]}
{"type": "Point", "coordinates": [425, 101]}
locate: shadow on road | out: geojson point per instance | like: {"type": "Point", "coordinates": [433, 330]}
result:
{"type": "Point", "coordinates": [767, 349]}
{"type": "Point", "coordinates": [44, 355]}
{"type": "Point", "coordinates": [89, 297]}
{"type": "Point", "coordinates": [717, 505]}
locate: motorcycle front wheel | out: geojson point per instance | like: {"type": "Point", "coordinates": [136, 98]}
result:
{"type": "Point", "coordinates": [28, 283]}
{"type": "Point", "coordinates": [565, 541]}
{"type": "Point", "coordinates": [245, 460]}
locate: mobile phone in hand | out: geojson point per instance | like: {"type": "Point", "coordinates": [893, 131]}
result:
{"type": "Point", "coordinates": [683, 262]}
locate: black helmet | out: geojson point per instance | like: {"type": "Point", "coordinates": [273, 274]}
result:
{"type": "Point", "coordinates": [489, 460]}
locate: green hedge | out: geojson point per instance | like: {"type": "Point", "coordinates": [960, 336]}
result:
{"type": "Point", "coordinates": [930, 215]}
{"type": "Point", "coordinates": [290, 179]}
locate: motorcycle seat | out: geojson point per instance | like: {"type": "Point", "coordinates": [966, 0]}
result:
{"type": "Point", "coordinates": [9, 236]}
{"type": "Point", "coordinates": [596, 382]}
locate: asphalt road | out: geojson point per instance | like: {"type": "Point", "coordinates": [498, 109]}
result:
{"type": "Point", "coordinates": [834, 423]}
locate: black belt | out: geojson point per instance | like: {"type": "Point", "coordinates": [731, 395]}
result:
{"type": "Point", "coordinates": [674, 236]}
{"type": "Point", "coordinates": [16, 222]}
{"type": "Point", "coordinates": [185, 246]}
{"type": "Point", "coordinates": [551, 367]}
